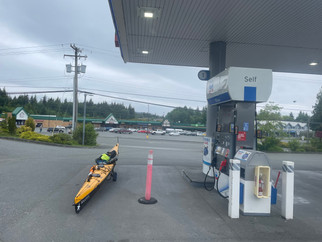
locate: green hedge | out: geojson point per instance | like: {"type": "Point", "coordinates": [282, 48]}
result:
{"type": "Point", "coordinates": [61, 139]}
{"type": "Point", "coordinates": [295, 146]}
{"type": "Point", "coordinates": [270, 144]}
{"type": "Point", "coordinates": [90, 135]}
{"type": "Point", "coordinates": [35, 136]}
{"type": "Point", "coordinates": [23, 129]}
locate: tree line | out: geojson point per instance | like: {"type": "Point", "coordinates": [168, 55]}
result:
{"type": "Point", "coordinates": [51, 106]}
{"type": "Point", "coordinates": [188, 116]}
{"type": "Point", "coordinates": [54, 106]}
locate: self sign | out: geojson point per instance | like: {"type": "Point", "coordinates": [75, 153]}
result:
{"type": "Point", "coordinates": [250, 78]}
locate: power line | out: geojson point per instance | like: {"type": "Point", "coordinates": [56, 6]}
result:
{"type": "Point", "coordinates": [100, 50]}
{"type": "Point", "coordinates": [96, 94]}
{"type": "Point", "coordinates": [32, 49]}
{"type": "Point", "coordinates": [35, 46]}
{"type": "Point", "coordinates": [32, 52]}
{"type": "Point", "coordinates": [35, 78]}
{"type": "Point", "coordinates": [37, 92]}
{"type": "Point", "coordinates": [131, 100]}
{"type": "Point", "coordinates": [153, 96]}
{"type": "Point", "coordinates": [137, 94]}
{"type": "Point", "coordinates": [114, 97]}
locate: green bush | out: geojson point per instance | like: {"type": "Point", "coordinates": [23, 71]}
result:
{"type": "Point", "coordinates": [3, 124]}
{"type": "Point", "coordinates": [270, 144]}
{"type": "Point", "coordinates": [35, 136]}
{"type": "Point", "coordinates": [12, 125]}
{"type": "Point", "coordinates": [309, 148]}
{"type": "Point", "coordinates": [296, 146]}
{"type": "Point", "coordinates": [284, 144]}
{"type": "Point", "coordinates": [4, 127]}
{"type": "Point", "coordinates": [61, 139]}
{"type": "Point", "coordinates": [316, 144]}
{"type": "Point", "coordinates": [30, 123]}
{"type": "Point", "coordinates": [22, 129]}
{"type": "Point", "coordinates": [90, 134]}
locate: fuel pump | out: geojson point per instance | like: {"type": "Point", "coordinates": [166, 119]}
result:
{"type": "Point", "coordinates": [232, 96]}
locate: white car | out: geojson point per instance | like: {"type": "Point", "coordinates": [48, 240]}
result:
{"type": "Point", "coordinates": [174, 133]}
{"type": "Point", "coordinates": [159, 131]}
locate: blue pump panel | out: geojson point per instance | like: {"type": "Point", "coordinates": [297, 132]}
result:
{"type": "Point", "coordinates": [273, 195]}
{"type": "Point", "coordinates": [241, 193]}
{"type": "Point", "coordinates": [249, 94]}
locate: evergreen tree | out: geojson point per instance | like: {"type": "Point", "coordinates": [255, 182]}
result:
{"type": "Point", "coordinates": [302, 117]}
{"type": "Point", "coordinates": [12, 125]}
{"type": "Point", "coordinates": [30, 123]}
{"type": "Point", "coordinates": [316, 120]}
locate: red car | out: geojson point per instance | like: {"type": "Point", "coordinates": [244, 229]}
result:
{"type": "Point", "coordinates": [144, 131]}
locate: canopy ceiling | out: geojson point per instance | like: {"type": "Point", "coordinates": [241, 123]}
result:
{"type": "Point", "coordinates": [282, 35]}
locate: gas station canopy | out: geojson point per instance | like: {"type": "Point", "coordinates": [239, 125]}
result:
{"type": "Point", "coordinates": [285, 36]}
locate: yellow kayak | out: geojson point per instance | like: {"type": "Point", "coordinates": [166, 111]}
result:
{"type": "Point", "coordinates": [97, 174]}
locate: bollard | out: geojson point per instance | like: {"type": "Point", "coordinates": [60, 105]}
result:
{"type": "Point", "coordinates": [287, 190]}
{"type": "Point", "coordinates": [148, 199]}
{"type": "Point", "coordinates": [234, 188]}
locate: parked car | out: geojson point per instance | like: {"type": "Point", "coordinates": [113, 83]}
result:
{"type": "Point", "coordinates": [124, 131]}
{"type": "Point", "coordinates": [189, 133]}
{"type": "Point", "coordinates": [57, 129]}
{"type": "Point", "coordinates": [114, 130]}
{"type": "Point", "coordinates": [201, 134]}
{"type": "Point", "coordinates": [174, 133]}
{"type": "Point", "coordinates": [158, 131]}
{"type": "Point", "coordinates": [60, 129]}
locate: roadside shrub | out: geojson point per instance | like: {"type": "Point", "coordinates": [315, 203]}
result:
{"type": "Point", "coordinates": [30, 123]}
{"type": "Point", "coordinates": [284, 145]}
{"type": "Point", "coordinates": [309, 148]}
{"type": "Point", "coordinates": [295, 145]}
{"type": "Point", "coordinates": [61, 139]}
{"type": "Point", "coordinates": [4, 127]}
{"type": "Point", "coordinates": [34, 136]}
{"type": "Point", "coordinates": [316, 144]}
{"type": "Point", "coordinates": [12, 125]}
{"type": "Point", "coordinates": [3, 124]}
{"type": "Point", "coordinates": [22, 129]}
{"type": "Point", "coordinates": [90, 134]}
{"type": "Point", "coordinates": [270, 144]}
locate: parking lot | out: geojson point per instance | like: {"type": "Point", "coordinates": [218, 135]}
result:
{"type": "Point", "coordinates": [38, 184]}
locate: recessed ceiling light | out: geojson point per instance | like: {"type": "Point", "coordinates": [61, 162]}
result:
{"type": "Point", "coordinates": [313, 64]}
{"type": "Point", "coordinates": [148, 14]}
{"type": "Point", "coordinates": [145, 52]}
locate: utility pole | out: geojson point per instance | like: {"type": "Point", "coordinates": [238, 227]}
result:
{"type": "Point", "coordinates": [77, 70]}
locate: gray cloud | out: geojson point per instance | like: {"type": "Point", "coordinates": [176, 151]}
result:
{"type": "Point", "coordinates": [89, 25]}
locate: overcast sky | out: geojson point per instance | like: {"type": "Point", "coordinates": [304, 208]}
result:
{"type": "Point", "coordinates": [35, 34]}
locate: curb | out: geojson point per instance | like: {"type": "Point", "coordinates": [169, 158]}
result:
{"type": "Point", "coordinates": [51, 144]}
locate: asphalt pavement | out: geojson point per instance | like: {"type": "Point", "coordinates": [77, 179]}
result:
{"type": "Point", "coordinates": [38, 184]}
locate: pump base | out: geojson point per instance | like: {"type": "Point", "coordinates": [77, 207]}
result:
{"type": "Point", "coordinates": [144, 201]}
